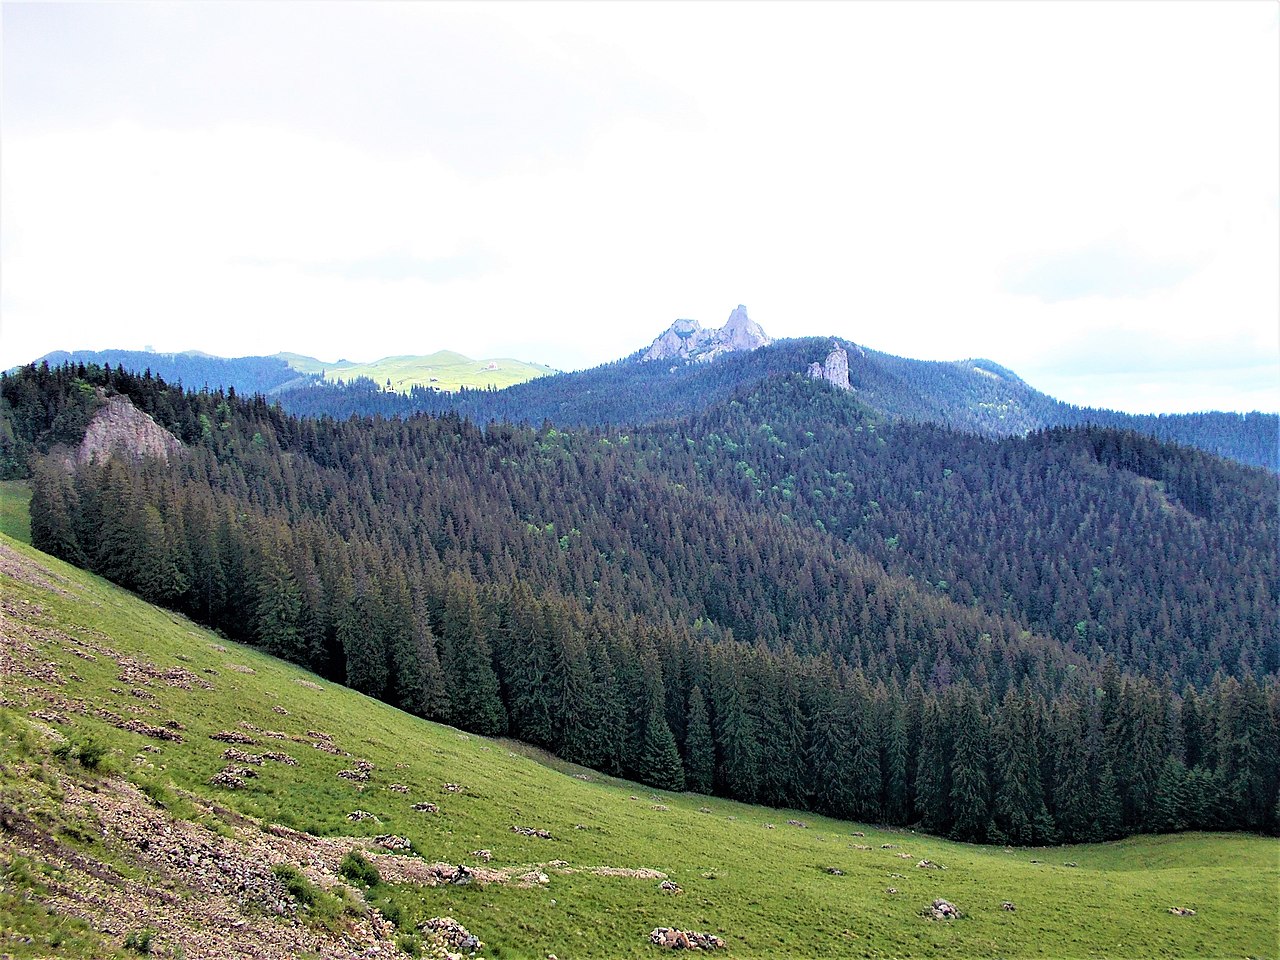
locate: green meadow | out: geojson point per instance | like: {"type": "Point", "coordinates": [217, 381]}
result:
{"type": "Point", "coordinates": [443, 370]}
{"type": "Point", "coordinates": [769, 888]}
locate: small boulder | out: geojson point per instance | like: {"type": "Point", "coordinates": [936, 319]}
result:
{"type": "Point", "coordinates": [672, 939]}
{"type": "Point", "coordinates": [1008, 905]}
{"type": "Point", "coordinates": [942, 910]}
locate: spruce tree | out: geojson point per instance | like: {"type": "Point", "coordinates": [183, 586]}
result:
{"type": "Point", "coordinates": [970, 790]}
{"type": "Point", "coordinates": [474, 699]}
{"type": "Point", "coordinates": [660, 764]}
{"type": "Point", "coordinates": [699, 748]}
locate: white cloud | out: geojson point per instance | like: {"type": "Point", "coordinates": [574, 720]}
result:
{"type": "Point", "coordinates": [562, 180]}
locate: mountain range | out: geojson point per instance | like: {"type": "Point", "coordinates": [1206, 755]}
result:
{"type": "Point", "coordinates": [685, 369]}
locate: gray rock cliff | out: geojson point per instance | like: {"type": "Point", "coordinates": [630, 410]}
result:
{"type": "Point", "coordinates": [688, 340]}
{"type": "Point", "coordinates": [834, 370]}
{"type": "Point", "coordinates": [122, 429]}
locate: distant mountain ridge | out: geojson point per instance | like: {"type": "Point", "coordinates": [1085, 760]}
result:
{"type": "Point", "coordinates": [687, 369]}
{"type": "Point", "coordinates": [443, 370]}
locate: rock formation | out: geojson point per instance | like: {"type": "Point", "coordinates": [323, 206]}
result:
{"type": "Point", "coordinates": [687, 340]}
{"type": "Point", "coordinates": [122, 429]}
{"type": "Point", "coordinates": [834, 370]}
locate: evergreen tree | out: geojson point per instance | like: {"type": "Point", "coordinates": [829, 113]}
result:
{"type": "Point", "coordinates": [970, 791]}
{"type": "Point", "coordinates": [699, 748]}
{"type": "Point", "coordinates": [1169, 814]}
{"type": "Point", "coordinates": [474, 701]}
{"type": "Point", "coordinates": [659, 758]}
{"type": "Point", "coordinates": [1108, 812]}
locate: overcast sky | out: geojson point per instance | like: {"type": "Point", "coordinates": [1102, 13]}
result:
{"type": "Point", "coordinates": [1088, 193]}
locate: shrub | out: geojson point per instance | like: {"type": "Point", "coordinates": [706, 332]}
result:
{"type": "Point", "coordinates": [357, 868]}
{"type": "Point", "coordinates": [140, 941]}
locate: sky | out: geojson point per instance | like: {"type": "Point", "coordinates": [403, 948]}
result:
{"type": "Point", "coordinates": [1086, 193]}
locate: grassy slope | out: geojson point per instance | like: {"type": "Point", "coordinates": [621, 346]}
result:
{"type": "Point", "coordinates": [444, 370]}
{"type": "Point", "coordinates": [766, 891]}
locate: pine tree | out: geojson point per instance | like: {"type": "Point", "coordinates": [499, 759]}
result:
{"type": "Point", "coordinates": [363, 644]}
{"type": "Point", "coordinates": [659, 758]}
{"type": "Point", "coordinates": [1108, 812]}
{"type": "Point", "coordinates": [1169, 813]}
{"type": "Point", "coordinates": [474, 699]}
{"type": "Point", "coordinates": [970, 791]}
{"type": "Point", "coordinates": [699, 748]}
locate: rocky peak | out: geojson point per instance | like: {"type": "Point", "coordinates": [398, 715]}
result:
{"type": "Point", "coordinates": [122, 429]}
{"type": "Point", "coordinates": [687, 340]}
{"type": "Point", "coordinates": [834, 370]}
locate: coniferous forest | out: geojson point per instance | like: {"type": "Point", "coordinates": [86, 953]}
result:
{"type": "Point", "coordinates": [784, 597]}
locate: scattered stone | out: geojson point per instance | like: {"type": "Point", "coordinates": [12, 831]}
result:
{"type": "Point", "coordinates": [930, 865]}
{"type": "Point", "coordinates": [317, 735]}
{"type": "Point", "coordinates": [903, 856]}
{"type": "Point", "coordinates": [453, 788]}
{"type": "Point", "coordinates": [325, 747]}
{"type": "Point", "coordinates": [448, 934]}
{"type": "Point", "coordinates": [284, 758]}
{"type": "Point", "coordinates": [583, 777]}
{"type": "Point", "coordinates": [280, 710]}
{"type": "Point", "coordinates": [356, 776]}
{"type": "Point", "coordinates": [226, 779]}
{"type": "Point", "coordinates": [670, 886]}
{"type": "Point", "coordinates": [1008, 905]}
{"type": "Point", "coordinates": [891, 890]}
{"type": "Point", "coordinates": [942, 910]}
{"type": "Point", "coordinates": [532, 832]}
{"type": "Point", "coordinates": [798, 823]}
{"type": "Point", "coordinates": [355, 816]}
{"type": "Point", "coordinates": [861, 846]}
{"type": "Point", "coordinates": [393, 842]}
{"type": "Point", "coordinates": [217, 646]}
{"type": "Point", "coordinates": [558, 863]}
{"type": "Point", "coordinates": [533, 878]}
{"type": "Point", "coordinates": [673, 939]}
{"type": "Point", "coordinates": [835, 871]}
{"type": "Point", "coordinates": [581, 826]}
{"type": "Point", "coordinates": [769, 826]}
{"type": "Point", "coordinates": [857, 833]}
{"type": "Point", "coordinates": [887, 846]}
{"type": "Point", "coordinates": [149, 730]}
{"type": "Point", "coordinates": [462, 876]}
{"type": "Point", "coordinates": [704, 809]}
{"type": "Point", "coordinates": [239, 756]}
{"type": "Point", "coordinates": [240, 668]}
{"type": "Point", "coordinates": [308, 684]}
{"type": "Point", "coordinates": [244, 773]}
{"type": "Point", "coordinates": [1071, 863]}
{"type": "Point", "coordinates": [1182, 911]}
{"type": "Point", "coordinates": [426, 807]}
{"type": "Point", "coordinates": [660, 807]}
{"type": "Point", "coordinates": [397, 788]}
{"type": "Point", "coordinates": [484, 856]}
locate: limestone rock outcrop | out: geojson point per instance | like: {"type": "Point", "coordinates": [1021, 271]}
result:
{"type": "Point", "coordinates": [689, 340]}
{"type": "Point", "coordinates": [122, 429]}
{"type": "Point", "coordinates": [834, 370]}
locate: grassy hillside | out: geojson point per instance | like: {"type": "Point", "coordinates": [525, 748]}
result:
{"type": "Point", "coordinates": [88, 658]}
{"type": "Point", "coordinates": [443, 370]}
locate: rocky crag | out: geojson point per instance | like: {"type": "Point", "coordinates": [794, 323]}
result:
{"type": "Point", "coordinates": [122, 429]}
{"type": "Point", "coordinates": [834, 369]}
{"type": "Point", "coordinates": [688, 340]}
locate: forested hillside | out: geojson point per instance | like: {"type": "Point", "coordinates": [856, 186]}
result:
{"type": "Point", "coordinates": [789, 598]}
{"type": "Point", "coordinates": [195, 370]}
{"type": "Point", "coordinates": [975, 396]}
